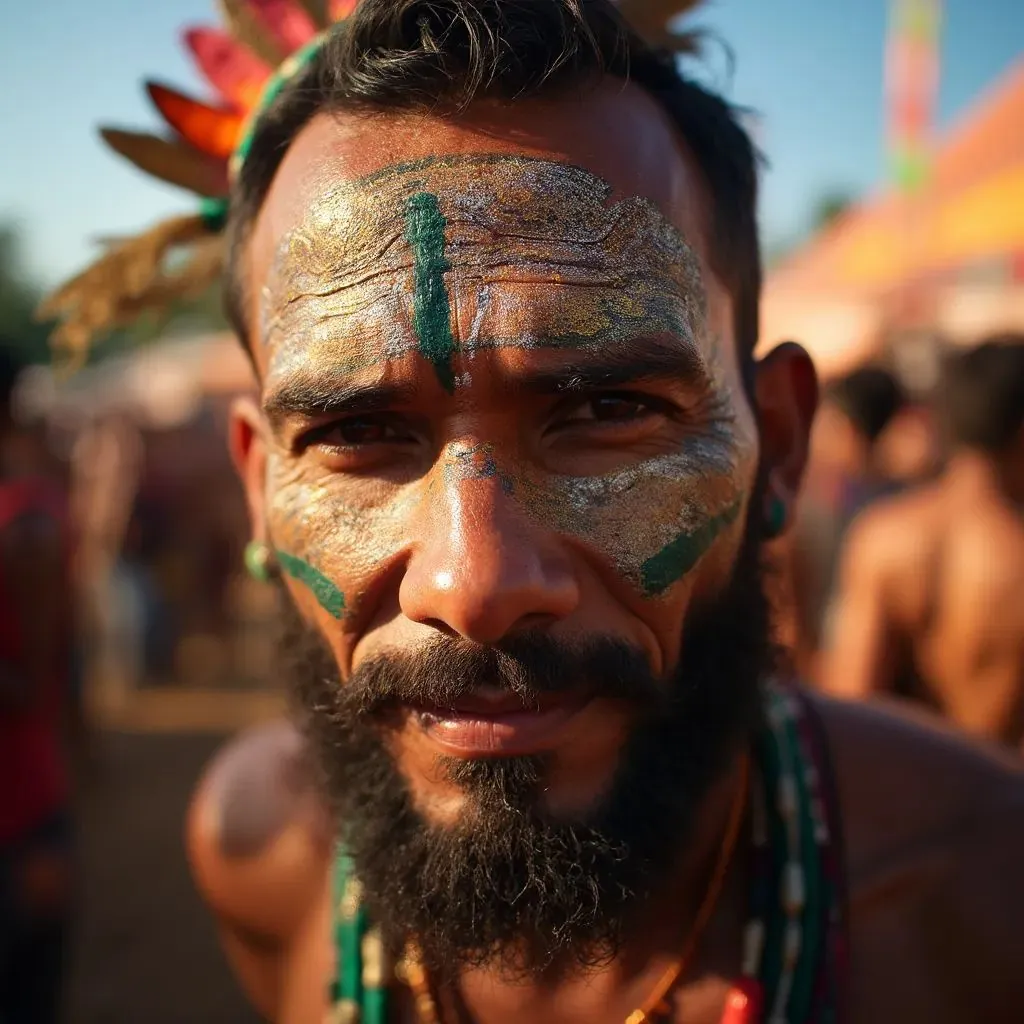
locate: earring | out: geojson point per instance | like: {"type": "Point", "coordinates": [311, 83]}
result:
{"type": "Point", "coordinates": [257, 560]}
{"type": "Point", "coordinates": [775, 521]}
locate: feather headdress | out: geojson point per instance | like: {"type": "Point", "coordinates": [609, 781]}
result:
{"type": "Point", "coordinates": [264, 44]}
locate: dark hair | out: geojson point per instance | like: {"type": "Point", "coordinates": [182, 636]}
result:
{"type": "Point", "coordinates": [983, 394]}
{"type": "Point", "coordinates": [444, 54]}
{"type": "Point", "coordinates": [869, 398]}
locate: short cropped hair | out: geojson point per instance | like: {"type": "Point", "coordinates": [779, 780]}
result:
{"type": "Point", "coordinates": [982, 394]}
{"type": "Point", "coordinates": [869, 398]}
{"type": "Point", "coordinates": [438, 55]}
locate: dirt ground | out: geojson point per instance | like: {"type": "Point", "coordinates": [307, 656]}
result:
{"type": "Point", "coordinates": [144, 950]}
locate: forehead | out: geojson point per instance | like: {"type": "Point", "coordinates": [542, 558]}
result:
{"type": "Point", "coordinates": [596, 191]}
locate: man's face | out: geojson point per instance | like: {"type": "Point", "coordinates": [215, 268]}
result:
{"type": "Point", "coordinates": [503, 430]}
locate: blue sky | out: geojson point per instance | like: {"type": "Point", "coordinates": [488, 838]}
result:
{"type": "Point", "coordinates": [811, 68]}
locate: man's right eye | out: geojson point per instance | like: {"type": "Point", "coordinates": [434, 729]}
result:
{"type": "Point", "coordinates": [357, 432]}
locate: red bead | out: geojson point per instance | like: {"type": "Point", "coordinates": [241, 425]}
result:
{"type": "Point", "coordinates": [744, 1003]}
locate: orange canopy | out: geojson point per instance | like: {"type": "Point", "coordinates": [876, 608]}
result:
{"type": "Point", "coordinates": [971, 210]}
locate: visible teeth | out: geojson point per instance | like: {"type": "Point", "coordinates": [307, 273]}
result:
{"type": "Point", "coordinates": [427, 718]}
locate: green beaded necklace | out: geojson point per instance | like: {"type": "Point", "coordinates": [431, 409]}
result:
{"type": "Point", "coordinates": [793, 941]}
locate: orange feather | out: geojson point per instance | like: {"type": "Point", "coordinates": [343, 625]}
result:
{"type": "Point", "coordinates": [210, 130]}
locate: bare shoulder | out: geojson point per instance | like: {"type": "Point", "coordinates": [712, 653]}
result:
{"type": "Point", "coordinates": [896, 528]}
{"type": "Point", "coordinates": [934, 833]}
{"type": "Point", "coordinates": [988, 544]}
{"type": "Point", "coordinates": [258, 837]}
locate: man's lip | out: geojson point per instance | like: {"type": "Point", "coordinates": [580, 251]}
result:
{"type": "Point", "coordinates": [491, 724]}
{"type": "Point", "coordinates": [490, 702]}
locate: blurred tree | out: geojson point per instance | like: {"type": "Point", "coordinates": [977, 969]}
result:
{"type": "Point", "coordinates": [18, 298]}
{"type": "Point", "coordinates": [19, 295]}
{"type": "Point", "coordinates": [829, 207]}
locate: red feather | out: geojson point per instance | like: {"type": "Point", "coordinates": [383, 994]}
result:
{"type": "Point", "coordinates": [210, 130]}
{"type": "Point", "coordinates": [234, 71]}
{"type": "Point", "coordinates": [290, 26]}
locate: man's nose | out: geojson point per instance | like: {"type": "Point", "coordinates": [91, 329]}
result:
{"type": "Point", "coordinates": [480, 568]}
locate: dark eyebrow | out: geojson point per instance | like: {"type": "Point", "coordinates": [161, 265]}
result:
{"type": "Point", "coordinates": [311, 397]}
{"type": "Point", "coordinates": [647, 360]}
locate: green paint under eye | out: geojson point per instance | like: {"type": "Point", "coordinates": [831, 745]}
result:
{"type": "Point", "coordinates": [424, 230]}
{"type": "Point", "coordinates": [679, 556]}
{"type": "Point", "coordinates": [331, 599]}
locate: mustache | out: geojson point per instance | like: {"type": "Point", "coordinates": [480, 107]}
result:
{"type": "Point", "coordinates": [528, 666]}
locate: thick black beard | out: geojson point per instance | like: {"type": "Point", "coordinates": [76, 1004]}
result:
{"type": "Point", "coordinates": [509, 885]}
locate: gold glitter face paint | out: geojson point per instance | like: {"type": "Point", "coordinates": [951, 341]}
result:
{"type": "Point", "coordinates": [366, 277]}
{"type": "Point", "coordinates": [653, 520]}
{"type": "Point", "coordinates": [446, 259]}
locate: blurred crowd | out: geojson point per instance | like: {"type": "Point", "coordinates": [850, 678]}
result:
{"type": "Point", "coordinates": [902, 577]}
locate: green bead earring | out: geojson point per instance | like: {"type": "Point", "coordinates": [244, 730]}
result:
{"type": "Point", "coordinates": [776, 519]}
{"type": "Point", "coordinates": [257, 560]}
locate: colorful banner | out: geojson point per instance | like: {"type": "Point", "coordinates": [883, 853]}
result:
{"type": "Point", "coordinates": [912, 82]}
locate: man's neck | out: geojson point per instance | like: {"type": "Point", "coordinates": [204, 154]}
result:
{"type": "Point", "coordinates": [654, 941]}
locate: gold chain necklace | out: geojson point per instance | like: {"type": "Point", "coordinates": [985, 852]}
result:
{"type": "Point", "coordinates": [414, 974]}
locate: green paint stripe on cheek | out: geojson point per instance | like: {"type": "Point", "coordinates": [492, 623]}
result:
{"type": "Point", "coordinates": [424, 230]}
{"type": "Point", "coordinates": [331, 599]}
{"type": "Point", "coordinates": [679, 556]}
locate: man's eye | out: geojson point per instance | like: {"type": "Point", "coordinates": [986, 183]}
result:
{"type": "Point", "coordinates": [356, 431]}
{"type": "Point", "coordinates": [613, 408]}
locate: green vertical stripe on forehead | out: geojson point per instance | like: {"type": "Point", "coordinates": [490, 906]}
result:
{"type": "Point", "coordinates": [424, 230]}
{"type": "Point", "coordinates": [331, 599]}
{"type": "Point", "coordinates": [679, 556]}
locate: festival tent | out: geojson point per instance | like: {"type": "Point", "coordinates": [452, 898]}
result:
{"type": "Point", "coordinates": [954, 249]}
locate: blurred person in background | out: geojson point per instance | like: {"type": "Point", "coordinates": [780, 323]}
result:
{"type": "Point", "coordinates": [36, 653]}
{"type": "Point", "coordinates": [105, 463]}
{"type": "Point", "coordinates": [844, 476]}
{"type": "Point", "coordinates": [909, 450]}
{"type": "Point", "coordinates": [931, 598]}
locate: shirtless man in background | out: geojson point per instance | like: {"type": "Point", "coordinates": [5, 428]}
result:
{"type": "Point", "coordinates": [843, 478]}
{"type": "Point", "coordinates": [932, 581]}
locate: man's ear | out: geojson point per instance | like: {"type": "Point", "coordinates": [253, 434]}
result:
{"type": "Point", "coordinates": [248, 446]}
{"type": "Point", "coordinates": [786, 394]}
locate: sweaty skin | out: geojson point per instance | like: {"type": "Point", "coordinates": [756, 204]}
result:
{"type": "Point", "coordinates": [585, 429]}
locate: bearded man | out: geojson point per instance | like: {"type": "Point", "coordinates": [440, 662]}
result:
{"type": "Point", "coordinates": [511, 466]}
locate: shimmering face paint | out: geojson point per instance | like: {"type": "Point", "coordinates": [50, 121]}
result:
{"type": "Point", "coordinates": [446, 259]}
{"type": "Point", "coordinates": [370, 271]}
